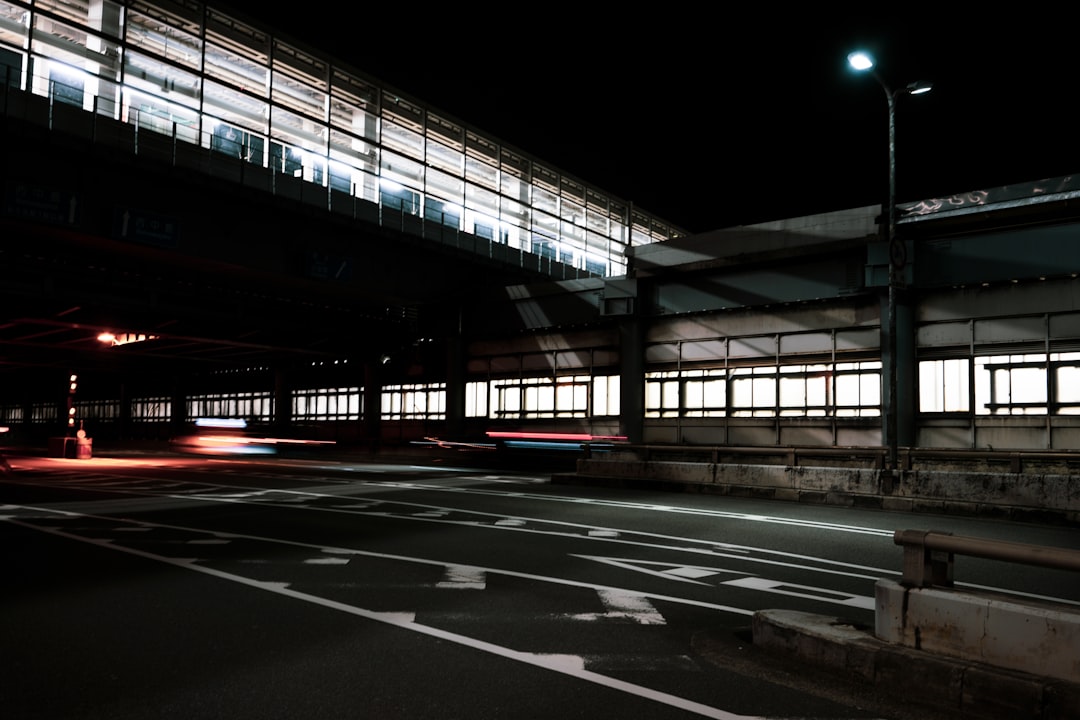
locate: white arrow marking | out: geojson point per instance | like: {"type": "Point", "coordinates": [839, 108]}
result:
{"type": "Point", "coordinates": [672, 571]}
{"type": "Point", "coordinates": [803, 591]}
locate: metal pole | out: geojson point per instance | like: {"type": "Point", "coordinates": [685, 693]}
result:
{"type": "Point", "coordinates": [895, 268]}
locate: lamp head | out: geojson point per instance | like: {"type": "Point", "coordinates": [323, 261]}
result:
{"type": "Point", "coordinates": [860, 61]}
{"type": "Point", "coordinates": [918, 88]}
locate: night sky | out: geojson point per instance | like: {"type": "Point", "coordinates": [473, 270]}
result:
{"type": "Point", "coordinates": [711, 119]}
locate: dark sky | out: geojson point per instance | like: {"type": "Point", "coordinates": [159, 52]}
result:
{"type": "Point", "coordinates": [711, 119]}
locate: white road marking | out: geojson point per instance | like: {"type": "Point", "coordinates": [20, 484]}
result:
{"type": "Point", "coordinates": [571, 665]}
{"type": "Point", "coordinates": [601, 534]}
{"type": "Point", "coordinates": [692, 573]}
{"type": "Point", "coordinates": [326, 561]}
{"type": "Point", "coordinates": [673, 571]}
{"type": "Point", "coordinates": [630, 607]}
{"type": "Point", "coordinates": [442, 514]}
{"type": "Point", "coordinates": [606, 534]}
{"type": "Point", "coordinates": [463, 577]}
{"type": "Point", "coordinates": [804, 591]}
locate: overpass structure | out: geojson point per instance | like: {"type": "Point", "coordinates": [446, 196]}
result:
{"type": "Point", "coordinates": [250, 285]}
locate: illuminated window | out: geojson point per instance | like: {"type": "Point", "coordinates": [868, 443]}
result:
{"type": "Point", "coordinates": [251, 406]}
{"type": "Point", "coordinates": [943, 385]}
{"type": "Point", "coordinates": [1011, 385]}
{"type": "Point", "coordinates": [858, 389]}
{"type": "Point", "coordinates": [43, 413]}
{"type": "Point", "coordinates": [414, 402]}
{"type": "Point", "coordinates": [236, 66]}
{"type": "Point", "coordinates": [1066, 382]}
{"type": "Point", "coordinates": [11, 414]}
{"type": "Point", "coordinates": [818, 390]}
{"type": "Point", "coordinates": [343, 403]}
{"type": "Point", "coordinates": [662, 394]}
{"type": "Point", "coordinates": [546, 397]}
{"type": "Point", "coordinates": [476, 399]}
{"type": "Point", "coordinates": [806, 390]}
{"type": "Point", "coordinates": [150, 410]}
{"type": "Point", "coordinates": [165, 36]}
{"type": "Point", "coordinates": [705, 393]}
{"type": "Point", "coordinates": [100, 410]}
{"type": "Point", "coordinates": [606, 395]}
{"type": "Point", "coordinates": [235, 107]}
{"type": "Point", "coordinates": [13, 28]}
{"type": "Point", "coordinates": [753, 392]}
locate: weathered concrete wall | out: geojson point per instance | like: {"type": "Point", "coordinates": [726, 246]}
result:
{"type": "Point", "coordinates": [1033, 637]}
{"type": "Point", "coordinates": [1044, 497]}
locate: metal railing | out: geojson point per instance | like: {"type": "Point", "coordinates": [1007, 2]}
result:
{"type": "Point", "coordinates": [929, 555]}
{"type": "Point", "coordinates": [1012, 461]}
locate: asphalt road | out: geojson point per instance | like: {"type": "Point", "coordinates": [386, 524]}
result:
{"type": "Point", "coordinates": [180, 587]}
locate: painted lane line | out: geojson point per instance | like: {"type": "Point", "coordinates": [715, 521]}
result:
{"type": "Point", "coordinates": [363, 553]}
{"type": "Point", "coordinates": [326, 561]}
{"type": "Point", "coordinates": [601, 534]}
{"type": "Point", "coordinates": [571, 665]}
{"type": "Point", "coordinates": [753, 517]}
{"type": "Point", "coordinates": [612, 535]}
{"type": "Point", "coordinates": [803, 591]}
{"type": "Point", "coordinates": [311, 492]}
{"type": "Point", "coordinates": [711, 548]}
{"type": "Point", "coordinates": [654, 507]}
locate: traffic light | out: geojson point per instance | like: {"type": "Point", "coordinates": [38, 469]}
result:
{"type": "Point", "coordinates": [73, 385]}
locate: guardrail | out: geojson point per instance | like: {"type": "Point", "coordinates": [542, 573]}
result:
{"type": "Point", "coordinates": [1013, 461]}
{"type": "Point", "coordinates": [929, 555]}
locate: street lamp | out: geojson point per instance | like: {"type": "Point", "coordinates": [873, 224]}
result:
{"type": "Point", "coordinates": [864, 62]}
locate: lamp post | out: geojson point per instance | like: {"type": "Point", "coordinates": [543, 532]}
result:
{"type": "Point", "coordinates": [864, 62]}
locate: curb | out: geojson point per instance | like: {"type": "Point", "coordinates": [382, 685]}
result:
{"type": "Point", "coordinates": [972, 690]}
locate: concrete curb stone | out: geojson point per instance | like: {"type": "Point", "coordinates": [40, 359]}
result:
{"type": "Point", "coordinates": [971, 689]}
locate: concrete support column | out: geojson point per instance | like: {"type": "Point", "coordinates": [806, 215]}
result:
{"type": "Point", "coordinates": [123, 421]}
{"type": "Point", "coordinates": [632, 385]}
{"type": "Point", "coordinates": [455, 387]}
{"type": "Point", "coordinates": [282, 402]}
{"type": "Point", "coordinates": [178, 404]}
{"type": "Point", "coordinates": [373, 404]}
{"type": "Point", "coordinates": [906, 373]}
{"type": "Point", "coordinates": [906, 369]}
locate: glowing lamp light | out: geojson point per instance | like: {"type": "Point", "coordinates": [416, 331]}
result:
{"type": "Point", "coordinates": [860, 60]}
{"type": "Point", "coordinates": [124, 338]}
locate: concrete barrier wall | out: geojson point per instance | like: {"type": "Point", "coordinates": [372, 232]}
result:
{"type": "Point", "coordinates": [1036, 638]}
{"type": "Point", "coordinates": [1020, 496]}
